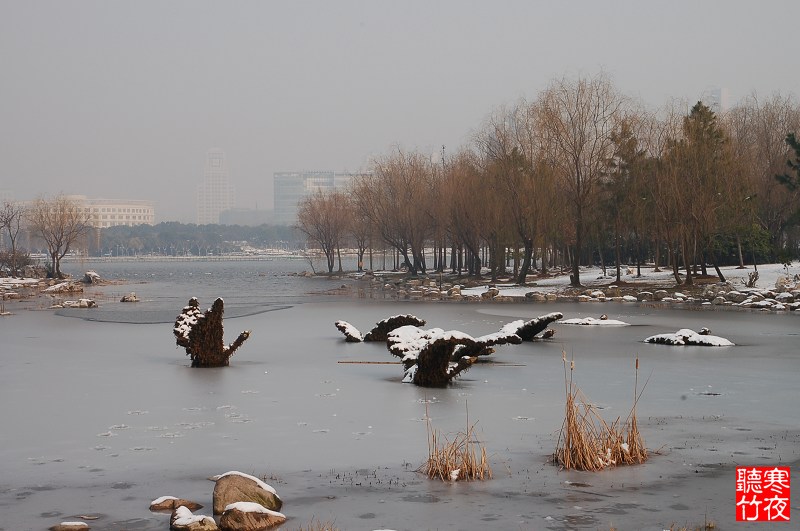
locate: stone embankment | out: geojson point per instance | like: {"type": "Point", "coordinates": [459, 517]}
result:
{"type": "Point", "coordinates": [785, 296]}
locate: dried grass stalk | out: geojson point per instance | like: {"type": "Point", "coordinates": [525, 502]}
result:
{"type": "Point", "coordinates": [587, 442]}
{"type": "Point", "coordinates": [462, 459]}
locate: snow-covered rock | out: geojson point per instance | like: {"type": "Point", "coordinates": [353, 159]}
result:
{"type": "Point", "coordinates": [248, 516]}
{"type": "Point", "coordinates": [659, 294]}
{"type": "Point", "coordinates": [629, 298]}
{"type": "Point", "coordinates": [183, 519]}
{"type": "Point", "coordinates": [644, 296]}
{"type": "Point", "coordinates": [91, 277]}
{"type": "Point", "coordinates": [685, 336]}
{"type": "Point", "coordinates": [232, 487]}
{"type": "Point", "coordinates": [130, 297]}
{"type": "Point", "coordinates": [171, 503]}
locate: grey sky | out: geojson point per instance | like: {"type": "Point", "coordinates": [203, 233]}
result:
{"type": "Point", "coordinates": [123, 99]}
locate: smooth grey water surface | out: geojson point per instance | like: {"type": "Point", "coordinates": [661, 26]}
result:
{"type": "Point", "coordinates": [101, 417]}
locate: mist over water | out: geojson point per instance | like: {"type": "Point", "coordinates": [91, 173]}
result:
{"type": "Point", "coordinates": [102, 413]}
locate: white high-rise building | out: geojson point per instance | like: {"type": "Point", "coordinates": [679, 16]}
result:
{"type": "Point", "coordinates": [215, 194]}
{"type": "Point", "coordinates": [717, 99]}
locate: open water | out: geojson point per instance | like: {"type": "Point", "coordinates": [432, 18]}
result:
{"type": "Point", "coordinates": [100, 413]}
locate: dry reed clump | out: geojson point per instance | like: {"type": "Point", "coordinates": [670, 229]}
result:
{"type": "Point", "coordinates": [587, 441]}
{"type": "Point", "coordinates": [461, 459]}
{"type": "Point", "coordinates": [316, 525]}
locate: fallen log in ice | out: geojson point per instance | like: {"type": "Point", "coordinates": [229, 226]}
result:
{"type": "Point", "coordinates": [381, 329]}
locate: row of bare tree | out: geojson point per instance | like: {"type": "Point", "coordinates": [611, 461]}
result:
{"type": "Point", "coordinates": [60, 222]}
{"type": "Point", "coordinates": [581, 168]}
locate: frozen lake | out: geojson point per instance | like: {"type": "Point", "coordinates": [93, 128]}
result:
{"type": "Point", "coordinates": [101, 413]}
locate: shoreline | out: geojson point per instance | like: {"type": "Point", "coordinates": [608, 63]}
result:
{"type": "Point", "coordinates": [779, 291]}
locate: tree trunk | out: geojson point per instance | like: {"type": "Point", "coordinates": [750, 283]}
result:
{"type": "Point", "coordinates": [687, 264]}
{"type": "Point", "coordinates": [673, 259]}
{"type": "Point", "coordinates": [616, 248]}
{"type": "Point", "coordinates": [716, 266]}
{"type": "Point", "coordinates": [526, 261]}
{"type": "Point", "coordinates": [739, 250]}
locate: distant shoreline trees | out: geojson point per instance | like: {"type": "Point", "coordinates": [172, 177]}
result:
{"type": "Point", "coordinates": [581, 175]}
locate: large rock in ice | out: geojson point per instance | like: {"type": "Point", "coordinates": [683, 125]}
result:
{"type": "Point", "coordinates": [233, 487]}
{"type": "Point", "coordinates": [248, 516]}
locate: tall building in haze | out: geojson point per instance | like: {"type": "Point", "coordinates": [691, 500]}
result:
{"type": "Point", "coordinates": [289, 188]}
{"type": "Point", "coordinates": [215, 194]}
{"type": "Point", "coordinates": [717, 99]}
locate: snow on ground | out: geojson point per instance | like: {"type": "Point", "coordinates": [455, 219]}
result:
{"type": "Point", "coordinates": [7, 283]}
{"type": "Point", "coordinates": [768, 274]}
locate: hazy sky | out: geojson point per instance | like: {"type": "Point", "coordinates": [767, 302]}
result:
{"type": "Point", "coordinates": [123, 99]}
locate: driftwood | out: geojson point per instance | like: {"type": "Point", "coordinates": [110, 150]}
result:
{"type": "Point", "coordinates": [381, 329]}
{"type": "Point", "coordinates": [202, 336]}
{"type": "Point", "coordinates": [434, 368]}
{"type": "Point", "coordinates": [434, 357]}
{"type": "Point", "coordinates": [529, 330]}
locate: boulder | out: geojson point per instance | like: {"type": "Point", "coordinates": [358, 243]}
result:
{"type": "Point", "coordinates": [130, 297]}
{"type": "Point", "coordinates": [233, 487]}
{"type": "Point", "coordinates": [171, 503]}
{"type": "Point", "coordinates": [535, 296]}
{"type": "Point", "coordinates": [629, 298]}
{"type": "Point", "coordinates": [784, 297]}
{"type": "Point", "coordinates": [660, 294]}
{"type": "Point", "coordinates": [735, 296]}
{"type": "Point", "coordinates": [644, 296]}
{"type": "Point", "coordinates": [718, 301]}
{"type": "Point", "coordinates": [490, 293]}
{"type": "Point", "coordinates": [80, 303]}
{"type": "Point", "coordinates": [91, 277]}
{"type": "Point", "coordinates": [247, 516]}
{"type": "Point", "coordinates": [182, 519]}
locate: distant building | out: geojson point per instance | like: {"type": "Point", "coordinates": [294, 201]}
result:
{"type": "Point", "coordinates": [289, 188]}
{"type": "Point", "coordinates": [112, 212]}
{"type": "Point", "coordinates": [717, 99]}
{"type": "Point", "coordinates": [246, 217]}
{"type": "Point", "coordinates": [215, 194]}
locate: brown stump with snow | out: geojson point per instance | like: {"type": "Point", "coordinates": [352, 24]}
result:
{"type": "Point", "coordinates": [202, 336]}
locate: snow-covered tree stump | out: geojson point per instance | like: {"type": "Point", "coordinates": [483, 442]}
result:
{"type": "Point", "coordinates": [202, 337]}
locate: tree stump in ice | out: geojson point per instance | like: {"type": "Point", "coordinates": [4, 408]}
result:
{"type": "Point", "coordinates": [201, 335]}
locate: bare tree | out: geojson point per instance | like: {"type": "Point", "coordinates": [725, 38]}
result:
{"type": "Point", "coordinates": [397, 198]}
{"type": "Point", "coordinates": [60, 222]}
{"type": "Point", "coordinates": [323, 217]}
{"type": "Point", "coordinates": [577, 119]}
{"type": "Point", "coordinates": [758, 129]}
{"type": "Point", "coordinates": [11, 217]}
